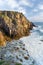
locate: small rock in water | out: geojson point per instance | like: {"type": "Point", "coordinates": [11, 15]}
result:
{"type": "Point", "coordinates": [42, 40]}
{"type": "Point", "coordinates": [26, 57]}
{"type": "Point", "coordinates": [21, 60]}
{"type": "Point", "coordinates": [23, 48]}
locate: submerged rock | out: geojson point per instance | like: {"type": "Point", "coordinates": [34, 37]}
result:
{"type": "Point", "coordinates": [14, 25]}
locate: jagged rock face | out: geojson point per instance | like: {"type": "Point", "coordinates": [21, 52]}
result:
{"type": "Point", "coordinates": [14, 25]}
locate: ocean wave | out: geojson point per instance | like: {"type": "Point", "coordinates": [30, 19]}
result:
{"type": "Point", "coordinates": [34, 48]}
{"type": "Point", "coordinates": [34, 45]}
{"type": "Point", "coordinates": [41, 30]}
{"type": "Point", "coordinates": [38, 30]}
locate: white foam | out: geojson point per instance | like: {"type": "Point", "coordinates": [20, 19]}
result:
{"type": "Point", "coordinates": [41, 30]}
{"type": "Point", "coordinates": [35, 47]}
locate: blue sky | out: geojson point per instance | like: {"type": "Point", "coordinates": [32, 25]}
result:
{"type": "Point", "coordinates": [32, 9]}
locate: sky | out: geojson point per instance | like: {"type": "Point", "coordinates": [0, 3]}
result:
{"type": "Point", "coordinates": [32, 9]}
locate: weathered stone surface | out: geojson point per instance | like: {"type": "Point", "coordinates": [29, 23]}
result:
{"type": "Point", "coordinates": [2, 39]}
{"type": "Point", "coordinates": [14, 25]}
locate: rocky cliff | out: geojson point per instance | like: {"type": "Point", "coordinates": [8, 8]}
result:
{"type": "Point", "coordinates": [13, 25]}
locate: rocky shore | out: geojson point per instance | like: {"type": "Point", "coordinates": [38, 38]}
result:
{"type": "Point", "coordinates": [15, 53]}
{"type": "Point", "coordinates": [13, 26]}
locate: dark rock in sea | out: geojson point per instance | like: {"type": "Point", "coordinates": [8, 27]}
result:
{"type": "Point", "coordinates": [14, 25]}
{"type": "Point", "coordinates": [26, 57]}
{"type": "Point", "coordinates": [42, 40]}
{"type": "Point", "coordinates": [32, 24]}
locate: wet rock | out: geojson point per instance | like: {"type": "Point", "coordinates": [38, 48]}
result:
{"type": "Point", "coordinates": [42, 40]}
{"type": "Point", "coordinates": [21, 60]}
{"type": "Point", "coordinates": [11, 56]}
{"type": "Point", "coordinates": [23, 48]}
{"type": "Point", "coordinates": [26, 57]}
{"type": "Point", "coordinates": [17, 57]}
{"type": "Point", "coordinates": [23, 44]}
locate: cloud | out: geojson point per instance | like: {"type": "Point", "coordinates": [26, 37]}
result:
{"type": "Point", "coordinates": [1, 2]}
{"type": "Point", "coordinates": [33, 0]}
{"type": "Point", "coordinates": [40, 6]}
{"type": "Point", "coordinates": [29, 8]}
{"type": "Point", "coordinates": [8, 4]}
{"type": "Point", "coordinates": [26, 3]}
{"type": "Point", "coordinates": [35, 10]}
{"type": "Point", "coordinates": [37, 18]}
{"type": "Point", "coordinates": [21, 9]}
{"type": "Point", "coordinates": [12, 5]}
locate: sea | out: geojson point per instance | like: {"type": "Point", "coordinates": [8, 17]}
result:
{"type": "Point", "coordinates": [34, 43]}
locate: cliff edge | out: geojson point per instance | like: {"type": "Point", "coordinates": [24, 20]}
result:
{"type": "Point", "coordinates": [13, 25]}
